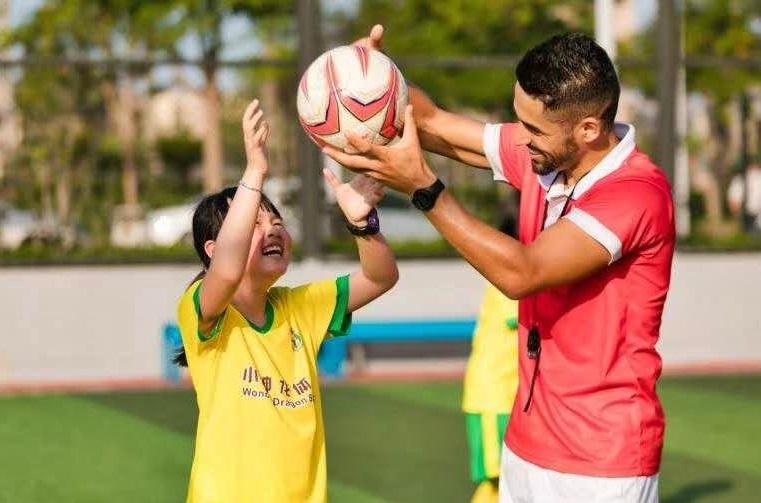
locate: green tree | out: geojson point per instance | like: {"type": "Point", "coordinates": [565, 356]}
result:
{"type": "Point", "coordinates": [713, 31]}
{"type": "Point", "coordinates": [275, 87]}
{"type": "Point", "coordinates": [716, 30]}
{"type": "Point", "coordinates": [56, 102]}
{"type": "Point", "coordinates": [81, 29]}
{"type": "Point", "coordinates": [202, 21]}
{"type": "Point", "coordinates": [722, 30]}
{"type": "Point", "coordinates": [133, 29]}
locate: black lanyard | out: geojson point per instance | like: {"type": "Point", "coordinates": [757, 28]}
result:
{"type": "Point", "coordinates": [534, 342]}
{"type": "Point", "coordinates": [534, 350]}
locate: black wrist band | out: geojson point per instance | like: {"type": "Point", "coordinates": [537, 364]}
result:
{"type": "Point", "coordinates": [372, 227]}
{"type": "Point", "coordinates": [424, 199]}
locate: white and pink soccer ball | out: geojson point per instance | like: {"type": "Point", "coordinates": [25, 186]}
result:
{"type": "Point", "coordinates": [352, 88]}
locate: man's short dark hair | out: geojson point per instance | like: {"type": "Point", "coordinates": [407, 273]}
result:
{"type": "Point", "coordinates": [573, 77]}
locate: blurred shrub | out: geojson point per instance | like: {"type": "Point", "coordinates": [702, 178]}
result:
{"type": "Point", "coordinates": [482, 200]}
{"type": "Point", "coordinates": [179, 154]}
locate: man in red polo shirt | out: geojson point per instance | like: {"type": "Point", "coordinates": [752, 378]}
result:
{"type": "Point", "coordinates": [591, 269]}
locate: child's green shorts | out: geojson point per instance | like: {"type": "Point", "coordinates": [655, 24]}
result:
{"type": "Point", "coordinates": [486, 432]}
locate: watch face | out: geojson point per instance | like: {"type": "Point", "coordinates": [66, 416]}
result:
{"type": "Point", "coordinates": [423, 200]}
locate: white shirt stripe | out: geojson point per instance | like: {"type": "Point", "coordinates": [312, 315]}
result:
{"type": "Point", "coordinates": [491, 149]}
{"type": "Point", "coordinates": [597, 231]}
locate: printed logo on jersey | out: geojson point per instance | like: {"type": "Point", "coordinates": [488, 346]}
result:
{"type": "Point", "coordinates": [286, 395]}
{"type": "Point", "coordinates": [296, 341]}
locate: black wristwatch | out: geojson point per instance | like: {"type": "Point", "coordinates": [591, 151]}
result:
{"type": "Point", "coordinates": [425, 199]}
{"type": "Point", "coordinates": [372, 227]}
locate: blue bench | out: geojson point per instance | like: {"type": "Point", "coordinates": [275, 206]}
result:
{"type": "Point", "coordinates": [171, 342]}
{"type": "Point", "coordinates": [335, 352]}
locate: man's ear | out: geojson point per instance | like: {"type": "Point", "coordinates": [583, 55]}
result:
{"type": "Point", "coordinates": [589, 130]}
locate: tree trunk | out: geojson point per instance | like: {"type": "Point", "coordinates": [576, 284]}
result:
{"type": "Point", "coordinates": [63, 187]}
{"type": "Point", "coordinates": [213, 153]}
{"type": "Point", "coordinates": [130, 183]}
{"type": "Point", "coordinates": [717, 157]}
{"type": "Point", "coordinates": [705, 183]}
{"type": "Point", "coordinates": [121, 106]}
{"type": "Point", "coordinates": [43, 173]}
{"type": "Point", "coordinates": [63, 194]}
{"type": "Point", "coordinates": [278, 144]}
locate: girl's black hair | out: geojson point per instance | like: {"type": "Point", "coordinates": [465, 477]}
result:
{"type": "Point", "coordinates": [207, 221]}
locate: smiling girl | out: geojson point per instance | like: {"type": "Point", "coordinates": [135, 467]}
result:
{"type": "Point", "coordinates": [251, 348]}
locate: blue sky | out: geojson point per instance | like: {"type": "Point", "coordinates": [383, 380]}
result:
{"type": "Point", "coordinates": [20, 9]}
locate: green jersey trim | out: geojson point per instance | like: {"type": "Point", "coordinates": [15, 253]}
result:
{"type": "Point", "coordinates": [269, 319]}
{"type": "Point", "coordinates": [217, 328]}
{"type": "Point", "coordinates": [341, 322]}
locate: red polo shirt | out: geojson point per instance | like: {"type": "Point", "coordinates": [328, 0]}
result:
{"type": "Point", "coordinates": [594, 410]}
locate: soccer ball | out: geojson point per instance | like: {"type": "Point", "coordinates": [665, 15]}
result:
{"type": "Point", "coordinates": [355, 89]}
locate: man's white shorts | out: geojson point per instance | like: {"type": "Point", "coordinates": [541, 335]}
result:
{"type": "Point", "coordinates": [524, 482]}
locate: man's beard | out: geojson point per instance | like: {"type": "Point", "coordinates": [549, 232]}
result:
{"type": "Point", "coordinates": [550, 162]}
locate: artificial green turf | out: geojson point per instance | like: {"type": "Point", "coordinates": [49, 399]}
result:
{"type": "Point", "coordinates": [69, 449]}
{"type": "Point", "coordinates": [386, 443]}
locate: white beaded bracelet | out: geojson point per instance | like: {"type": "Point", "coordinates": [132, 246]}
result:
{"type": "Point", "coordinates": [241, 184]}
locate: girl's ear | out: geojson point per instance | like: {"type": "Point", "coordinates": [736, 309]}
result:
{"type": "Point", "coordinates": [208, 247]}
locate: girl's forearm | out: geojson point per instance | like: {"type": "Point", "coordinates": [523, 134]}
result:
{"type": "Point", "coordinates": [378, 273]}
{"type": "Point", "coordinates": [234, 241]}
{"type": "Point", "coordinates": [377, 260]}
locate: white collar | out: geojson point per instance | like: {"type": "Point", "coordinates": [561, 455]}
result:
{"type": "Point", "coordinates": [607, 165]}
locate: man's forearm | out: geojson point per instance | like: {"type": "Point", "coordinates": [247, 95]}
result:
{"type": "Point", "coordinates": [437, 145]}
{"type": "Point", "coordinates": [499, 258]}
{"type": "Point", "coordinates": [447, 134]}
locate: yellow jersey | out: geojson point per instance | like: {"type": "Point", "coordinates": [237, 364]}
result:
{"type": "Point", "coordinates": [491, 378]}
{"type": "Point", "coordinates": [260, 434]}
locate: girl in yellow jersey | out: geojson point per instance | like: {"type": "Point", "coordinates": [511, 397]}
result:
{"type": "Point", "coordinates": [251, 348]}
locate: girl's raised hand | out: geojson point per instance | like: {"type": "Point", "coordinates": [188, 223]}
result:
{"type": "Point", "coordinates": [255, 134]}
{"type": "Point", "coordinates": [357, 197]}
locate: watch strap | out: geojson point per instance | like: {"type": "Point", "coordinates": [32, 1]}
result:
{"type": "Point", "coordinates": [372, 227]}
